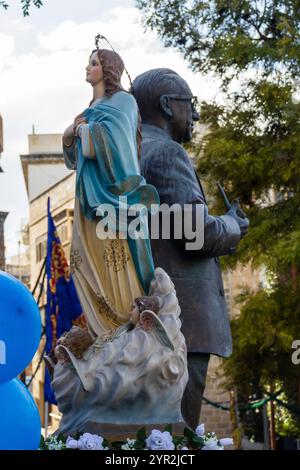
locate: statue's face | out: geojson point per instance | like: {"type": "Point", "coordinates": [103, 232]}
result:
{"type": "Point", "coordinates": [134, 314]}
{"type": "Point", "coordinates": [94, 72]}
{"type": "Point", "coordinates": [184, 114]}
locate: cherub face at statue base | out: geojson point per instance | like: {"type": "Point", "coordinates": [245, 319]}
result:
{"type": "Point", "coordinates": [144, 315]}
{"type": "Point", "coordinates": [134, 314]}
{"type": "Point", "coordinates": [147, 322]}
{"type": "Point", "coordinates": [140, 304]}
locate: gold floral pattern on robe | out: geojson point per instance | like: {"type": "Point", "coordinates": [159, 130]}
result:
{"type": "Point", "coordinates": [115, 256]}
{"type": "Point", "coordinates": [75, 260]}
{"type": "Point", "coordinates": [106, 308]}
{"type": "Point", "coordinates": [104, 275]}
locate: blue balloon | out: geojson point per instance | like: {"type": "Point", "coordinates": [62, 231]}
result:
{"type": "Point", "coordinates": [20, 425]}
{"type": "Point", "coordinates": [20, 327]}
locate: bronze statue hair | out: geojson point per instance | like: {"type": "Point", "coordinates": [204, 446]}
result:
{"type": "Point", "coordinates": [148, 87]}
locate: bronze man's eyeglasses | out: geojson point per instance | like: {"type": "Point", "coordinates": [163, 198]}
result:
{"type": "Point", "coordinates": [192, 99]}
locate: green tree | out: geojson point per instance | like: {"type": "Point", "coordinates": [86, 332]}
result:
{"type": "Point", "coordinates": [253, 148]}
{"type": "Point", "coordinates": [26, 5]}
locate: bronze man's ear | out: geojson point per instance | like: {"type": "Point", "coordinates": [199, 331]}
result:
{"type": "Point", "coordinates": [164, 102]}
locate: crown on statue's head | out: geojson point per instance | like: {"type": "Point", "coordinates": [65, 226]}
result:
{"type": "Point", "coordinates": [100, 37]}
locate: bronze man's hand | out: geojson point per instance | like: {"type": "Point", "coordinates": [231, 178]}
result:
{"type": "Point", "coordinates": [235, 211]}
{"type": "Point", "coordinates": [242, 221]}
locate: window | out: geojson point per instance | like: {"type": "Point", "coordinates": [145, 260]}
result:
{"type": "Point", "coordinates": [41, 248]}
{"type": "Point", "coordinates": [62, 232]}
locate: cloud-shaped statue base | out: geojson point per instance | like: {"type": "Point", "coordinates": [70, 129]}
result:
{"type": "Point", "coordinates": [138, 377]}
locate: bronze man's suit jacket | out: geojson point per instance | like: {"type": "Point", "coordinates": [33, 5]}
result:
{"type": "Point", "coordinates": [196, 274]}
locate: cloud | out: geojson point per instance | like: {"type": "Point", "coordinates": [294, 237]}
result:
{"type": "Point", "coordinates": [7, 42]}
{"type": "Point", "coordinates": [121, 26]}
{"type": "Point", "coordinates": [140, 50]}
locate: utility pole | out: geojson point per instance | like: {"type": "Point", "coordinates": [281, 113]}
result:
{"type": "Point", "coordinates": [19, 260]}
{"type": "Point", "coordinates": [3, 216]}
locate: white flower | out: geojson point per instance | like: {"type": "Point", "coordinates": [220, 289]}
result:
{"type": "Point", "coordinates": [160, 440]}
{"type": "Point", "coordinates": [90, 442]}
{"type": "Point", "coordinates": [200, 430]}
{"type": "Point", "coordinates": [184, 448]}
{"type": "Point", "coordinates": [129, 445]}
{"type": "Point", "coordinates": [126, 447]}
{"type": "Point", "coordinates": [211, 443]}
{"type": "Point", "coordinates": [226, 441]}
{"type": "Point", "coordinates": [53, 444]}
{"type": "Point", "coordinates": [71, 443]}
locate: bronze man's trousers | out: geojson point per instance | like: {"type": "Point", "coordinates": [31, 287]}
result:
{"type": "Point", "coordinates": [192, 397]}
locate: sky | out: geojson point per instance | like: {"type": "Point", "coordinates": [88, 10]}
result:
{"type": "Point", "coordinates": [42, 77]}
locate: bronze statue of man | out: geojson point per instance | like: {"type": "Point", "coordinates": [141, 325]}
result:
{"type": "Point", "coordinates": [168, 112]}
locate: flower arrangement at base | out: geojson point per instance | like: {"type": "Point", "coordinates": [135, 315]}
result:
{"type": "Point", "coordinates": [157, 440]}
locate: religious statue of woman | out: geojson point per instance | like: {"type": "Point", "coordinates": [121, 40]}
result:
{"type": "Point", "coordinates": [103, 146]}
{"type": "Point", "coordinates": [130, 366]}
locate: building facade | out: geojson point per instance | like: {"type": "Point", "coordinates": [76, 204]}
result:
{"type": "Point", "coordinates": [46, 176]}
